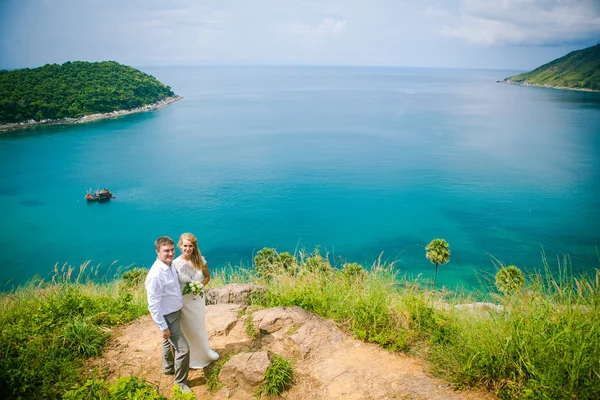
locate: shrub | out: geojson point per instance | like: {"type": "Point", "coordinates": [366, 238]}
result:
{"type": "Point", "coordinates": [125, 388]}
{"type": "Point", "coordinates": [177, 394]}
{"type": "Point", "coordinates": [315, 263]}
{"type": "Point", "coordinates": [509, 279]}
{"type": "Point", "coordinates": [264, 260]}
{"type": "Point", "coordinates": [90, 390]}
{"type": "Point", "coordinates": [269, 263]}
{"type": "Point", "coordinates": [130, 387]}
{"type": "Point", "coordinates": [135, 276]}
{"type": "Point", "coordinates": [288, 262]}
{"type": "Point", "coordinates": [352, 271]}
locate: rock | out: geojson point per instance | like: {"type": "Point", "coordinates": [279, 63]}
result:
{"type": "Point", "coordinates": [226, 332]}
{"type": "Point", "coordinates": [221, 318]}
{"type": "Point", "coordinates": [89, 117]}
{"type": "Point", "coordinates": [295, 332]}
{"type": "Point", "coordinates": [245, 371]}
{"type": "Point", "coordinates": [274, 319]}
{"type": "Point", "coordinates": [233, 293]}
{"type": "Point", "coordinates": [479, 306]}
{"type": "Point", "coordinates": [316, 338]}
{"type": "Point", "coordinates": [327, 363]}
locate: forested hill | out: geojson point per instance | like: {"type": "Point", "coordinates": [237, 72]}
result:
{"type": "Point", "coordinates": [75, 89]}
{"type": "Point", "coordinates": [577, 70]}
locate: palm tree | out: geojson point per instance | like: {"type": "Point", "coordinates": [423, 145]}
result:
{"type": "Point", "coordinates": [438, 252]}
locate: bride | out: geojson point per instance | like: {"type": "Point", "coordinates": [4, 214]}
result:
{"type": "Point", "coordinates": [191, 266]}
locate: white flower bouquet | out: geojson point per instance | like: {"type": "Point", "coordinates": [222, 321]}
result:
{"type": "Point", "coordinates": [195, 288]}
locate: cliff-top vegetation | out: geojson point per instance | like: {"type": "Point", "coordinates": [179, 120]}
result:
{"type": "Point", "coordinates": [75, 89]}
{"type": "Point", "coordinates": [538, 338]}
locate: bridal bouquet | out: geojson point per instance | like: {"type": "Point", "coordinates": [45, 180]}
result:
{"type": "Point", "coordinates": [195, 288]}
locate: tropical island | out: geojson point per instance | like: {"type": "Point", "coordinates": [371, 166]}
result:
{"type": "Point", "coordinates": [578, 70]}
{"type": "Point", "coordinates": [76, 92]}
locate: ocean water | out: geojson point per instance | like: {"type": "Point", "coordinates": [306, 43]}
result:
{"type": "Point", "coordinates": [358, 161]}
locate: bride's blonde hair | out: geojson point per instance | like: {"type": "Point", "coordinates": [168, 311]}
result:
{"type": "Point", "coordinates": [196, 256]}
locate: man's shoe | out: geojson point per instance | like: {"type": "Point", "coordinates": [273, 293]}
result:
{"type": "Point", "coordinates": [184, 388]}
{"type": "Point", "coordinates": [169, 372]}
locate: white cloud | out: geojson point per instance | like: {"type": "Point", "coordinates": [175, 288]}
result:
{"type": "Point", "coordinates": [328, 27]}
{"type": "Point", "coordinates": [313, 32]}
{"type": "Point", "coordinates": [520, 22]}
{"type": "Point", "coordinates": [191, 16]}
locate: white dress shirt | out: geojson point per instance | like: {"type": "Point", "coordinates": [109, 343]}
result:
{"type": "Point", "coordinates": [163, 291]}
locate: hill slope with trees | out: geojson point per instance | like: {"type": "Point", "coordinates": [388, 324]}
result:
{"type": "Point", "coordinates": [577, 70]}
{"type": "Point", "coordinates": [75, 89]}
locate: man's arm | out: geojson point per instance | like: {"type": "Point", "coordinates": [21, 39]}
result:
{"type": "Point", "coordinates": [154, 294]}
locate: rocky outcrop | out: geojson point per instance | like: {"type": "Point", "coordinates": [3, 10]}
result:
{"type": "Point", "coordinates": [296, 333]}
{"type": "Point", "coordinates": [245, 372]}
{"type": "Point", "coordinates": [328, 364]}
{"type": "Point", "coordinates": [235, 293]}
{"type": "Point", "coordinates": [480, 307]}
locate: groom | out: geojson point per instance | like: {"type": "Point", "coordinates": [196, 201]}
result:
{"type": "Point", "coordinates": [165, 302]}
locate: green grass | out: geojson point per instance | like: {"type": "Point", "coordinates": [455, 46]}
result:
{"type": "Point", "coordinates": [545, 344]}
{"type": "Point", "coordinates": [365, 304]}
{"type": "Point", "coordinates": [84, 338]}
{"type": "Point", "coordinates": [212, 380]}
{"type": "Point", "coordinates": [125, 388]}
{"type": "Point", "coordinates": [278, 376]}
{"type": "Point", "coordinates": [250, 328]}
{"type": "Point", "coordinates": [48, 330]}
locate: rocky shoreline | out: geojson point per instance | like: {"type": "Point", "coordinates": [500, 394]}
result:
{"type": "Point", "coordinates": [509, 82]}
{"type": "Point", "coordinates": [88, 118]}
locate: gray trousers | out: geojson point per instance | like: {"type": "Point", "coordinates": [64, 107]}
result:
{"type": "Point", "coordinates": [176, 350]}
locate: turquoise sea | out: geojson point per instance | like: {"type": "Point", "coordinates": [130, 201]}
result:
{"type": "Point", "coordinates": [356, 160]}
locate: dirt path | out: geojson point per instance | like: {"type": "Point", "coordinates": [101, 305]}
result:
{"type": "Point", "coordinates": [328, 364]}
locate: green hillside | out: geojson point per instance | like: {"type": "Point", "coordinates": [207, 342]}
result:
{"type": "Point", "coordinates": [577, 70]}
{"type": "Point", "coordinates": [74, 89]}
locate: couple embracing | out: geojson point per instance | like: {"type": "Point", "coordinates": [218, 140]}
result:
{"type": "Point", "coordinates": [181, 318]}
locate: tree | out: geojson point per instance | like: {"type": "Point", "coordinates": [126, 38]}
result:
{"type": "Point", "coordinates": [438, 252]}
{"type": "Point", "coordinates": [74, 89]}
{"type": "Point", "coordinates": [509, 280]}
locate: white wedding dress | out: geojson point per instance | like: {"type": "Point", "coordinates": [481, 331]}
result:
{"type": "Point", "coordinates": [193, 313]}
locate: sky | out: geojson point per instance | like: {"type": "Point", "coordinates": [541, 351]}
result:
{"type": "Point", "coordinates": [491, 34]}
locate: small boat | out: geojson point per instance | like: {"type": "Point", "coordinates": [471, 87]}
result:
{"type": "Point", "coordinates": [99, 195]}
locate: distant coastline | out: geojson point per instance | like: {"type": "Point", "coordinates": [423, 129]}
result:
{"type": "Point", "coordinates": [509, 82]}
{"type": "Point", "coordinates": [4, 128]}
